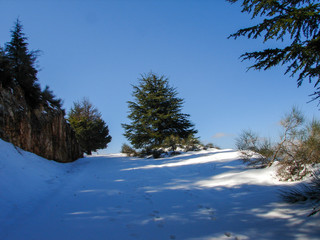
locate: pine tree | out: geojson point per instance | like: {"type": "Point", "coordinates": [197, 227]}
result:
{"type": "Point", "coordinates": [50, 100]}
{"type": "Point", "coordinates": [22, 65]}
{"type": "Point", "coordinates": [298, 20]}
{"type": "Point", "coordinates": [91, 131]}
{"type": "Point", "coordinates": [5, 75]}
{"type": "Point", "coordinates": [155, 114]}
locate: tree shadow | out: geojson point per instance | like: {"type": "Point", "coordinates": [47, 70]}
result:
{"type": "Point", "coordinates": [207, 196]}
{"type": "Point", "coordinates": [178, 198]}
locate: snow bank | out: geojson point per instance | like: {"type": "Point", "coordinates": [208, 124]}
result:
{"type": "Point", "coordinates": [26, 180]}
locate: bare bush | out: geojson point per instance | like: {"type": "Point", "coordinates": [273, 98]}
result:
{"type": "Point", "coordinates": [296, 151]}
{"type": "Point", "coordinates": [299, 147]}
{"type": "Point", "coordinates": [255, 151]}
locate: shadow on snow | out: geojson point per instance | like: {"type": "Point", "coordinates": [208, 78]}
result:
{"type": "Point", "coordinates": [202, 196]}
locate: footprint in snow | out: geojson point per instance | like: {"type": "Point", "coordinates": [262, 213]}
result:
{"type": "Point", "coordinates": [154, 214]}
{"type": "Point", "coordinates": [160, 225]}
{"type": "Point", "coordinates": [228, 234]}
{"type": "Point", "coordinates": [208, 211]}
{"type": "Point", "coordinates": [147, 197]}
{"type": "Point", "coordinates": [134, 235]}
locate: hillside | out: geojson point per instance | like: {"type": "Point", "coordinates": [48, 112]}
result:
{"type": "Point", "coordinates": [198, 195]}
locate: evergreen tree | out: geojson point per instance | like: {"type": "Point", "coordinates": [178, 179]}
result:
{"type": "Point", "coordinates": [22, 65]}
{"type": "Point", "coordinates": [91, 131]}
{"type": "Point", "coordinates": [50, 100]}
{"type": "Point", "coordinates": [298, 20]}
{"type": "Point", "coordinates": [155, 114]}
{"type": "Point", "coordinates": [5, 75]}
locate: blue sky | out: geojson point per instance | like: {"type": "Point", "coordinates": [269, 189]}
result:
{"type": "Point", "coordinates": [98, 49]}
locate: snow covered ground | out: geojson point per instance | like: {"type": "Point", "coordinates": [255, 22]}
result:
{"type": "Point", "coordinates": [199, 195]}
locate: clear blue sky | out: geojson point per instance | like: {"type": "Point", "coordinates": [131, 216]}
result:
{"type": "Point", "coordinates": [98, 49]}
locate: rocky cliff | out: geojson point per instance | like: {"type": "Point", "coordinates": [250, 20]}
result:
{"type": "Point", "coordinates": [43, 131]}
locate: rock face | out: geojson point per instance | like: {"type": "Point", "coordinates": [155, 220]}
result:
{"type": "Point", "coordinates": [43, 131]}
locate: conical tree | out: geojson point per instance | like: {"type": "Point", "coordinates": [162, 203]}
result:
{"type": "Point", "coordinates": [22, 65]}
{"type": "Point", "coordinates": [155, 114]}
{"type": "Point", "coordinates": [91, 131]}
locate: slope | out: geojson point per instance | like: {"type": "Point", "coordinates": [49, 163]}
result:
{"type": "Point", "coordinates": [198, 195]}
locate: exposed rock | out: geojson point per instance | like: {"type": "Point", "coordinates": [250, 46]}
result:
{"type": "Point", "coordinates": [43, 131]}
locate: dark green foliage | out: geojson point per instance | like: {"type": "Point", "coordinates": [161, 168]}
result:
{"type": "Point", "coordinates": [49, 99]}
{"type": "Point", "coordinates": [298, 20]}
{"type": "Point", "coordinates": [172, 145]}
{"type": "Point", "coordinates": [172, 142]}
{"type": "Point", "coordinates": [91, 131]}
{"type": "Point", "coordinates": [154, 152]}
{"type": "Point", "coordinates": [129, 151]}
{"type": "Point", "coordinates": [191, 143]}
{"type": "Point", "coordinates": [210, 145]}
{"type": "Point", "coordinates": [22, 66]}
{"type": "Point", "coordinates": [155, 114]}
{"type": "Point", "coordinates": [6, 80]}
{"type": "Point", "coordinates": [307, 192]}
{"type": "Point", "coordinates": [19, 74]}
{"type": "Point", "coordinates": [312, 143]}
{"type": "Point", "coordinates": [30, 118]}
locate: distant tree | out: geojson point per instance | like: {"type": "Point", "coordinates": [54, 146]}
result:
{"type": "Point", "coordinates": [155, 114]}
{"type": "Point", "coordinates": [298, 20]}
{"type": "Point", "coordinates": [91, 131]}
{"type": "Point", "coordinates": [211, 145]}
{"type": "Point", "coordinates": [22, 65]}
{"type": "Point", "coordinates": [129, 151]}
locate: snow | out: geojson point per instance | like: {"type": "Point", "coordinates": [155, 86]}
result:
{"type": "Point", "coordinates": [199, 195]}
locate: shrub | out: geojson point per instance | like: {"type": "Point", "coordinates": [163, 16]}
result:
{"type": "Point", "coordinates": [129, 151]}
{"type": "Point", "coordinates": [210, 145]}
{"type": "Point", "coordinates": [191, 143]}
{"type": "Point", "coordinates": [256, 151]}
{"type": "Point", "coordinates": [307, 192]}
{"type": "Point", "coordinates": [157, 153]}
{"type": "Point", "coordinates": [297, 150]}
{"type": "Point", "coordinates": [293, 151]}
{"type": "Point", "coordinates": [172, 142]}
